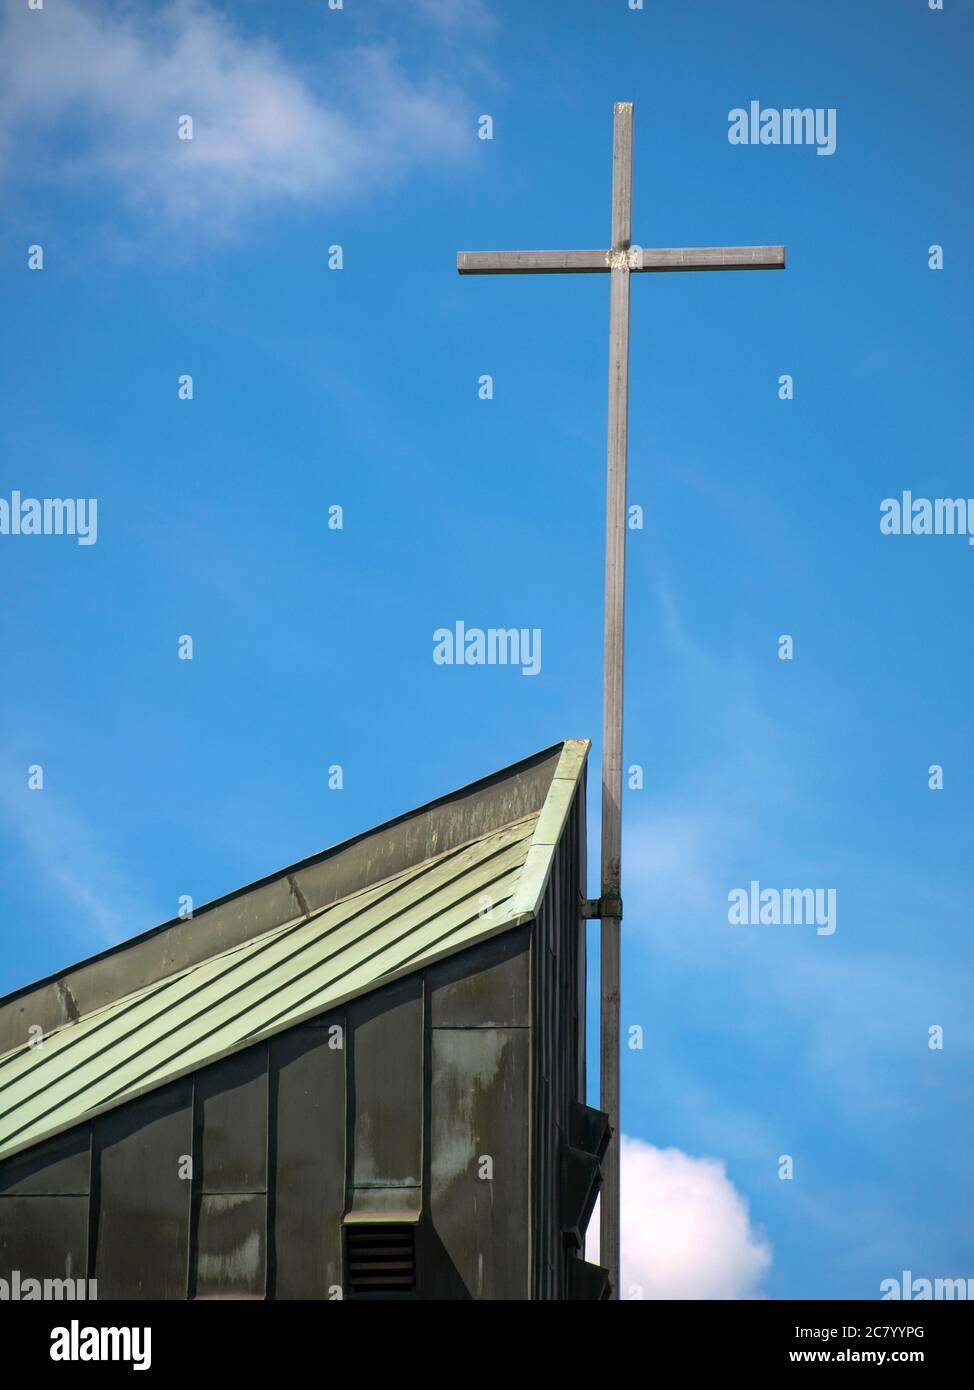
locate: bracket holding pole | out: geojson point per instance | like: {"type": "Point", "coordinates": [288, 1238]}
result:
{"type": "Point", "coordinates": [602, 907]}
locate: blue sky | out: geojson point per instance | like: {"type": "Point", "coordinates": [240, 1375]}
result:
{"type": "Point", "coordinates": [358, 387]}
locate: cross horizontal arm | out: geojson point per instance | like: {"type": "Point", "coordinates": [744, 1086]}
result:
{"type": "Point", "coordinates": [530, 262]}
{"type": "Point", "coordinates": [637, 258]}
{"type": "Point", "coordinates": [711, 258]}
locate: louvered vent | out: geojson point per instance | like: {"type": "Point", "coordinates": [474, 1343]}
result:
{"type": "Point", "coordinates": [381, 1259]}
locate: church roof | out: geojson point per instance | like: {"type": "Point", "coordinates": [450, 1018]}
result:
{"type": "Point", "coordinates": [365, 913]}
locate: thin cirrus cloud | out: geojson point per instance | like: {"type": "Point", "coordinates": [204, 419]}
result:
{"type": "Point", "coordinates": [837, 996]}
{"type": "Point", "coordinates": [456, 14]}
{"type": "Point", "coordinates": [73, 865]}
{"type": "Point", "coordinates": [92, 96]}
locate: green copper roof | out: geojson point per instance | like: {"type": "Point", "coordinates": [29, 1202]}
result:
{"type": "Point", "coordinates": [282, 976]}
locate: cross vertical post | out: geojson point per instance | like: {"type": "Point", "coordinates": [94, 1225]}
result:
{"type": "Point", "coordinates": [615, 600]}
{"type": "Point", "coordinates": [620, 261]}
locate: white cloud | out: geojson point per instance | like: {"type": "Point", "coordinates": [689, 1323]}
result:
{"type": "Point", "coordinates": [93, 93]}
{"type": "Point", "coordinates": [686, 1230]}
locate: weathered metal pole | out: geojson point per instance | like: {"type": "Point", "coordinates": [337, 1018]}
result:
{"type": "Point", "coordinates": [621, 261]}
{"type": "Point", "coordinates": [615, 593]}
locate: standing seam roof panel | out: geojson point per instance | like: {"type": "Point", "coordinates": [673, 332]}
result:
{"type": "Point", "coordinates": [286, 974]}
{"type": "Point", "coordinates": [271, 982]}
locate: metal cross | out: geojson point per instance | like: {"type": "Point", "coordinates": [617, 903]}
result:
{"type": "Point", "coordinates": [621, 260]}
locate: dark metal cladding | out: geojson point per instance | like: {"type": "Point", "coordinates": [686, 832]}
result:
{"type": "Point", "coordinates": [488, 986]}
{"type": "Point", "coordinates": [426, 1140]}
{"type": "Point", "coordinates": [580, 1179]}
{"type": "Point", "coordinates": [141, 1231]}
{"type": "Point", "coordinates": [588, 1283]}
{"type": "Point", "coordinates": [43, 1238]}
{"type": "Point", "coordinates": [308, 1159]}
{"type": "Point", "coordinates": [559, 1070]}
{"type": "Point", "coordinates": [231, 1120]}
{"type": "Point", "coordinates": [44, 1209]}
{"type": "Point", "coordinates": [61, 1166]}
{"type": "Point", "coordinates": [385, 1039]}
{"type": "Point", "coordinates": [231, 1245]}
{"type": "Point", "coordinates": [589, 1130]}
{"type": "Point", "coordinates": [480, 1158]}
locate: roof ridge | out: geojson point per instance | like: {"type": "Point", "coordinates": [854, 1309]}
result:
{"type": "Point", "coordinates": [257, 945]}
{"type": "Point", "coordinates": [287, 973]}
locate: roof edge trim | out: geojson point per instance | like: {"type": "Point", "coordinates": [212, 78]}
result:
{"type": "Point", "coordinates": [551, 822]}
{"type": "Point", "coordinates": [331, 851]}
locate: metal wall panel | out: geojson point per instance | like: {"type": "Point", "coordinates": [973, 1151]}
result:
{"type": "Point", "coordinates": [307, 1078]}
{"type": "Point", "coordinates": [62, 1165]}
{"type": "Point", "coordinates": [487, 986]}
{"type": "Point", "coordinates": [231, 1245]}
{"type": "Point", "coordinates": [476, 1057]}
{"type": "Point", "coordinates": [385, 1034]}
{"type": "Point", "coordinates": [43, 1237]}
{"type": "Point", "coordinates": [558, 1050]}
{"type": "Point", "coordinates": [479, 1100]}
{"type": "Point", "coordinates": [231, 1120]}
{"type": "Point", "coordinates": [143, 1205]}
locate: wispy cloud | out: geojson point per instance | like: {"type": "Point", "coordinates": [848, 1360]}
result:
{"type": "Point", "coordinates": [686, 1230]}
{"type": "Point", "coordinates": [93, 93]}
{"type": "Point", "coordinates": [836, 996]}
{"type": "Point", "coordinates": [456, 14]}
{"type": "Point", "coordinates": [70, 861]}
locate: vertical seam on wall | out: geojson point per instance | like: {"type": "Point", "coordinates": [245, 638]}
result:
{"type": "Point", "coordinates": [270, 1175]}
{"type": "Point", "coordinates": [425, 1231]}
{"type": "Point", "coordinates": [91, 1228]}
{"type": "Point", "coordinates": [195, 1190]}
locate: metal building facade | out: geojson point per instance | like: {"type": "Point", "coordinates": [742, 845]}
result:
{"type": "Point", "coordinates": [360, 1078]}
